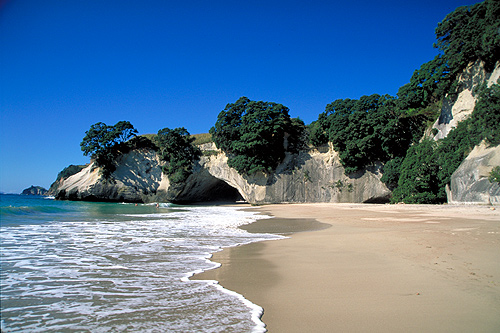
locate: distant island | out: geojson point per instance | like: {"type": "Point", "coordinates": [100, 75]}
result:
{"type": "Point", "coordinates": [34, 190]}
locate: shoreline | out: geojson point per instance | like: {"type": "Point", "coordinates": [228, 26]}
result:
{"type": "Point", "coordinates": [375, 268]}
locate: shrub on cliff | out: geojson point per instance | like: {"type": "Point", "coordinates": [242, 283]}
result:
{"type": "Point", "coordinates": [102, 143]}
{"type": "Point", "coordinates": [256, 135]}
{"type": "Point", "coordinates": [467, 34]}
{"type": "Point", "coordinates": [470, 33]}
{"type": "Point", "coordinates": [418, 182]}
{"type": "Point", "coordinates": [440, 160]}
{"type": "Point", "coordinates": [177, 150]}
{"type": "Point", "coordinates": [363, 131]}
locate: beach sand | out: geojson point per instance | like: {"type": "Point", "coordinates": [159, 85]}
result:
{"type": "Point", "coordinates": [375, 268]}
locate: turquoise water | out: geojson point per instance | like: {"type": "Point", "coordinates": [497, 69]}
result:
{"type": "Point", "coordinates": [110, 267]}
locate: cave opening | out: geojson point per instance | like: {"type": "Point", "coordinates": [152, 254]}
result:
{"type": "Point", "coordinates": [211, 191]}
{"type": "Point", "coordinates": [223, 192]}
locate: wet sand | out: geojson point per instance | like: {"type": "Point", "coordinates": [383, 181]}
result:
{"type": "Point", "coordinates": [375, 268]}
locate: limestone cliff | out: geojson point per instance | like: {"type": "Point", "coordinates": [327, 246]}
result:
{"type": "Point", "coordinates": [457, 107]}
{"type": "Point", "coordinates": [470, 184]}
{"type": "Point", "coordinates": [307, 177]}
{"type": "Point", "coordinates": [136, 179]}
{"type": "Point", "coordinates": [312, 176]}
{"type": "Point", "coordinates": [315, 175]}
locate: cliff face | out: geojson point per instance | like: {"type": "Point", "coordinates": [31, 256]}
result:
{"type": "Point", "coordinates": [310, 176]}
{"type": "Point", "coordinates": [136, 179]}
{"type": "Point", "coordinates": [470, 184]}
{"type": "Point", "coordinates": [307, 177]}
{"type": "Point", "coordinates": [458, 107]}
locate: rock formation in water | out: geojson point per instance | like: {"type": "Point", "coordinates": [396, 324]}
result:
{"type": "Point", "coordinates": [34, 190]}
{"type": "Point", "coordinates": [136, 179]}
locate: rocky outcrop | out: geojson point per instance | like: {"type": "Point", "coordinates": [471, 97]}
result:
{"type": "Point", "coordinates": [34, 190]}
{"type": "Point", "coordinates": [315, 176]}
{"type": "Point", "coordinates": [312, 176]}
{"type": "Point", "coordinates": [469, 183]}
{"type": "Point", "coordinates": [457, 107]}
{"type": "Point", "coordinates": [136, 179]}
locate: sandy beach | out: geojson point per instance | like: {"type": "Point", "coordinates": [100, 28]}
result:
{"type": "Point", "coordinates": [371, 268]}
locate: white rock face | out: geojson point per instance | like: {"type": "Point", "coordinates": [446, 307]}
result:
{"type": "Point", "coordinates": [458, 108]}
{"type": "Point", "coordinates": [469, 183]}
{"type": "Point", "coordinates": [307, 177]}
{"type": "Point", "coordinates": [137, 177]}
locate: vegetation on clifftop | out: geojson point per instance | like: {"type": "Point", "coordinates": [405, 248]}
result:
{"type": "Point", "coordinates": [363, 131]}
{"type": "Point", "coordinates": [102, 143]}
{"type": "Point", "coordinates": [256, 135]}
{"type": "Point", "coordinates": [428, 166]}
{"type": "Point", "coordinates": [389, 129]}
{"type": "Point", "coordinates": [253, 134]}
{"type": "Point", "coordinates": [176, 149]}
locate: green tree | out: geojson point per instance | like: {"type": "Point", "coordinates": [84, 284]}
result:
{"type": "Point", "coordinates": [102, 143]}
{"type": "Point", "coordinates": [441, 159]}
{"type": "Point", "coordinates": [494, 176]}
{"type": "Point", "coordinates": [470, 33]}
{"type": "Point", "coordinates": [255, 135]}
{"type": "Point", "coordinates": [428, 85]}
{"type": "Point", "coordinates": [418, 182]}
{"type": "Point", "coordinates": [176, 149]}
{"type": "Point", "coordinates": [363, 131]}
{"type": "Point", "coordinates": [483, 124]}
{"type": "Point", "coordinates": [391, 172]}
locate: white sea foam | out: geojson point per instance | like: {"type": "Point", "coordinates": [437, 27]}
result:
{"type": "Point", "coordinates": [126, 272]}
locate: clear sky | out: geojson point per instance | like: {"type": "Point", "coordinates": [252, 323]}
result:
{"type": "Point", "coordinates": [65, 65]}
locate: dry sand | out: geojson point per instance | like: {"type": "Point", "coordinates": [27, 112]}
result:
{"type": "Point", "coordinates": [376, 268]}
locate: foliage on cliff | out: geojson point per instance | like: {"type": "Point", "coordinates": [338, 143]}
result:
{"type": "Point", "coordinates": [256, 135]}
{"type": "Point", "coordinates": [494, 176]}
{"type": "Point", "coordinates": [253, 134]}
{"type": "Point", "coordinates": [470, 33]}
{"type": "Point", "coordinates": [177, 150]}
{"type": "Point", "coordinates": [102, 143]}
{"type": "Point", "coordinates": [68, 171]}
{"type": "Point", "coordinates": [363, 131]}
{"type": "Point", "coordinates": [387, 129]}
{"type": "Point", "coordinates": [428, 166]}
{"type": "Point", "coordinates": [467, 34]}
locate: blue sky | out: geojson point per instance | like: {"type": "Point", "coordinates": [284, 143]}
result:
{"type": "Point", "coordinates": [65, 65]}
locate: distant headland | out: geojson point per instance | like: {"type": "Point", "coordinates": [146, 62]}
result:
{"type": "Point", "coordinates": [34, 190]}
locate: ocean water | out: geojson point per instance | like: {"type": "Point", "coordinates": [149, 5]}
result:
{"type": "Point", "coordinates": [110, 267]}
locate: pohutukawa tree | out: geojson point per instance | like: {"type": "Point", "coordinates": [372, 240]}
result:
{"type": "Point", "coordinates": [253, 134]}
{"type": "Point", "coordinates": [102, 143]}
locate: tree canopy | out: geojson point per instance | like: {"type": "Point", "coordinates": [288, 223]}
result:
{"type": "Point", "coordinates": [363, 131]}
{"type": "Point", "coordinates": [101, 142]}
{"type": "Point", "coordinates": [176, 149]}
{"type": "Point", "coordinates": [252, 134]}
{"type": "Point", "coordinates": [389, 130]}
{"type": "Point", "coordinates": [428, 166]}
{"type": "Point", "coordinates": [470, 33]}
{"type": "Point", "coordinates": [256, 135]}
